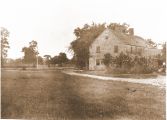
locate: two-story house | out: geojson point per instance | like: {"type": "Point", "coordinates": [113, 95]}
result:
{"type": "Point", "coordinates": [115, 42]}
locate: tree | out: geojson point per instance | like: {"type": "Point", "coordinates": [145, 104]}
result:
{"type": "Point", "coordinates": [40, 60]}
{"type": "Point", "coordinates": [48, 60]}
{"type": "Point", "coordinates": [151, 43]}
{"type": "Point", "coordinates": [4, 44]}
{"type": "Point", "coordinates": [58, 59]}
{"type": "Point", "coordinates": [33, 45]}
{"type": "Point", "coordinates": [119, 28]}
{"type": "Point", "coordinates": [54, 60]}
{"type": "Point", "coordinates": [62, 58]}
{"type": "Point", "coordinates": [84, 37]}
{"type": "Point", "coordinates": [30, 53]}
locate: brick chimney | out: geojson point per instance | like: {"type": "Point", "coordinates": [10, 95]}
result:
{"type": "Point", "coordinates": [131, 31]}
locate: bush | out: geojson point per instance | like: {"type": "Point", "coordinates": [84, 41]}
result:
{"type": "Point", "coordinates": [107, 59]}
{"type": "Point", "coordinates": [123, 64]}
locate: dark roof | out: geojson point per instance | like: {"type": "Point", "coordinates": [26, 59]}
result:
{"type": "Point", "coordinates": [129, 39]}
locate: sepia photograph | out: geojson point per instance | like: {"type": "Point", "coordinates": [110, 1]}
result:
{"type": "Point", "coordinates": [83, 59]}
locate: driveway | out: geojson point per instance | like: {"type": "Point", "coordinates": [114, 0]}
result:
{"type": "Point", "coordinates": [160, 81]}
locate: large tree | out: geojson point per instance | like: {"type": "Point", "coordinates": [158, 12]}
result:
{"type": "Point", "coordinates": [4, 44]}
{"type": "Point", "coordinates": [84, 37]}
{"type": "Point", "coordinates": [30, 53]}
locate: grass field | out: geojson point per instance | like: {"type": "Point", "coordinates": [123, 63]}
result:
{"type": "Point", "coordinates": [55, 95]}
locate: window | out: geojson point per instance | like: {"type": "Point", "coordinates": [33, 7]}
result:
{"type": "Point", "coordinates": [102, 62]}
{"type": "Point", "coordinates": [131, 51]}
{"type": "Point", "coordinates": [115, 49]}
{"type": "Point", "coordinates": [106, 37]}
{"type": "Point", "coordinates": [139, 51]}
{"type": "Point", "coordinates": [97, 62]}
{"type": "Point", "coordinates": [98, 49]}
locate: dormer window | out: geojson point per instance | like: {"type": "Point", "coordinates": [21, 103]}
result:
{"type": "Point", "coordinates": [98, 49]}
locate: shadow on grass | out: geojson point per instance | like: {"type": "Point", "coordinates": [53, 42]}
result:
{"type": "Point", "coordinates": [77, 107]}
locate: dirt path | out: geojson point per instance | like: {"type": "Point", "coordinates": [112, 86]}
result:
{"type": "Point", "coordinates": [159, 81]}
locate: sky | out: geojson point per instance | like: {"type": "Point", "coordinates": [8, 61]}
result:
{"type": "Point", "coordinates": [51, 22]}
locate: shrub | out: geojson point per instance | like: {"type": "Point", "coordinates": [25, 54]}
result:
{"type": "Point", "coordinates": [107, 59]}
{"type": "Point", "coordinates": [126, 64]}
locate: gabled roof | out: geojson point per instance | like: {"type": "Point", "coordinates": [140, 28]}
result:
{"type": "Point", "coordinates": [129, 39]}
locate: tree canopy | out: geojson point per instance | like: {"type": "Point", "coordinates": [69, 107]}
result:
{"type": "Point", "coordinates": [62, 58]}
{"type": "Point", "coordinates": [58, 59]}
{"type": "Point", "coordinates": [30, 53]}
{"type": "Point", "coordinates": [48, 60]}
{"type": "Point", "coordinates": [84, 37]}
{"type": "Point", "coordinates": [151, 43]}
{"type": "Point", "coordinates": [124, 28]}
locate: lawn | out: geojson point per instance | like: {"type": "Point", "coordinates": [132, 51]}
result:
{"type": "Point", "coordinates": [55, 95]}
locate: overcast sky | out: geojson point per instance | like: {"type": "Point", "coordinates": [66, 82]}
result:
{"type": "Point", "coordinates": [51, 22]}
